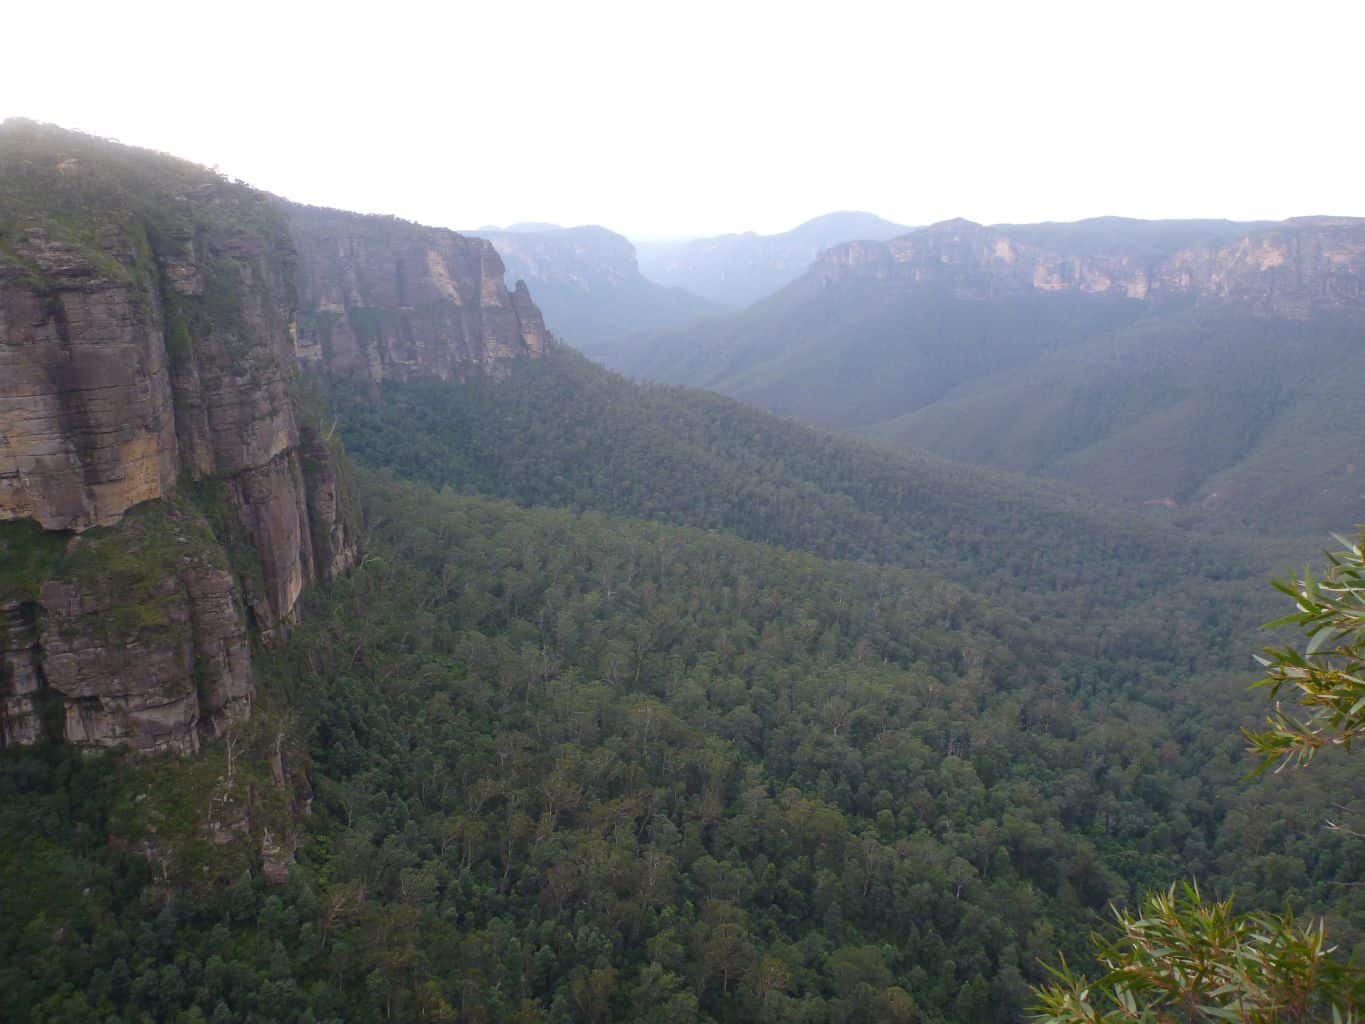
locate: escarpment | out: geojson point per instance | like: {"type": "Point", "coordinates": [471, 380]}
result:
{"type": "Point", "coordinates": [162, 490]}
{"type": "Point", "coordinates": [1292, 269]}
{"type": "Point", "coordinates": [384, 299]}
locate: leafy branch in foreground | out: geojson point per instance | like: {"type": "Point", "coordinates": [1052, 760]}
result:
{"type": "Point", "coordinates": [1328, 677]}
{"type": "Point", "coordinates": [1182, 959]}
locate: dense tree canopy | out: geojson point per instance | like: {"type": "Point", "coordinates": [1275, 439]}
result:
{"type": "Point", "coordinates": [576, 767]}
{"type": "Point", "coordinates": [1182, 958]}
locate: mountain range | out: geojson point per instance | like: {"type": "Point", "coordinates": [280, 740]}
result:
{"type": "Point", "coordinates": [739, 269]}
{"type": "Point", "coordinates": [1190, 364]}
{"type": "Point", "coordinates": [600, 289]}
{"type": "Point", "coordinates": [366, 653]}
{"type": "Point", "coordinates": [588, 283]}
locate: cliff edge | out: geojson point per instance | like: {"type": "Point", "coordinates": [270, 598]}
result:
{"type": "Point", "coordinates": [162, 489]}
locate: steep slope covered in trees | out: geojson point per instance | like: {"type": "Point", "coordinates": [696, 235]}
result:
{"type": "Point", "coordinates": [585, 768]}
{"type": "Point", "coordinates": [1230, 413]}
{"type": "Point", "coordinates": [1168, 362]}
{"type": "Point", "coordinates": [563, 432]}
{"type": "Point", "coordinates": [765, 725]}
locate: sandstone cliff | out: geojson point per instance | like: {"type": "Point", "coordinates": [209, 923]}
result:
{"type": "Point", "coordinates": [589, 257]}
{"type": "Point", "coordinates": [1291, 269]}
{"type": "Point", "coordinates": [384, 299]}
{"type": "Point", "coordinates": [587, 281]}
{"type": "Point", "coordinates": [161, 488]}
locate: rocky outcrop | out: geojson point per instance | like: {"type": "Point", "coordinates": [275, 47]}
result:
{"type": "Point", "coordinates": [136, 638]}
{"type": "Point", "coordinates": [150, 424]}
{"type": "Point", "coordinates": [588, 283]}
{"type": "Point", "coordinates": [87, 428]}
{"type": "Point", "coordinates": [383, 299]}
{"type": "Point", "coordinates": [588, 257]}
{"type": "Point", "coordinates": [1292, 269]}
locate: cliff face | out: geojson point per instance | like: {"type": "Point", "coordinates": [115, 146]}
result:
{"type": "Point", "coordinates": [384, 299]}
{"type": "Point", "coordinates": [149, 426]}
{"type": "Point", "coordinates": [1290, 269]}
{"type": "Point", "coordinates": [587, 257]}
{"type": "Point", "coordinates": [587, 281]}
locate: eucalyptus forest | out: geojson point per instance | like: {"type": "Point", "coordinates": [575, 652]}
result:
{"type": "Point", "coordinates": [371, 654]}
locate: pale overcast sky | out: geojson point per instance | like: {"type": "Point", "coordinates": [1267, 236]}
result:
{"type": "Point", "coordinates": [696, 117]}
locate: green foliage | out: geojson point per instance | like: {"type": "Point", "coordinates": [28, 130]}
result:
{"type": "Point", "coordinates": [130, 564]}
{"type": "Point", "coordinates": [129, 568]}
{"type": "Point", "coordinates": [28, 556]}
{"type": "Point", "coordinates": [129, 213]}
{"type": "Point", "coordinates": [1326, 678]}
{"type": "Point", "coordinates": [212, 498]}
{"type": "Point", "coordinates": [1214, 408]}
{"type": "Point", "coordinates": [1184, 959]}
{"type": "Point", "coordinates": [596, 768]}
{"type": "Point", "coordinates": [77, 183]}
{"type": "Point", "coordinates": [1181, 958]}
{"type": "Point", "coordinates": [563, 432]}
{"type": "Point", "coordinates": [562, 765]}
{"type": "Point", "coordinates": [179, 341]}
{"type": "Point", "coordinates": [1219, 410]}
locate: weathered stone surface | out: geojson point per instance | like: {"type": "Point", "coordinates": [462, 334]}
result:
{"type": "Point", "coordinates": [120, 685]}
{"type": "Point", "coordinates": [384, 299]}
{"type": "Point", "coordinates": [587, 282]}
{"type": "Point", "coordinates": [223, 658]}
{"type": "Point", "coordinates": [20, 678]}
{"type": "Point", "coordinates": [270, 502]}
{"type": "Point", "coordinates": [1293, 269]}
{"type": "Point", "coordinates": [331, 507]}
{"type": "Point", "coordinates": [1290, 269]}
{"type": "Point", "coordinates": [86, 424]}
{"type": "Point", "coordinates": [147, 340]}
{"type": "Point", "coordinates": [138, 638]}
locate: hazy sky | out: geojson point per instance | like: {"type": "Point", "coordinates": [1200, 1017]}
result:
{"type": "Point", "coordinates": [697, 118]}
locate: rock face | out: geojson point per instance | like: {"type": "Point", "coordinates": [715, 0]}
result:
{"type": "Point", "coordinates": [149, 425]}
{"type": "Point", "coordinates": [383, 299]}
{"type": "Point", "coordinates": [589, 257]}
{"type": "Point", "coordinates": [1292, 269]}
{"type": "Point", "coordinates": [87, 427]}
{"type": "Point", "coordinates": [587, 281]}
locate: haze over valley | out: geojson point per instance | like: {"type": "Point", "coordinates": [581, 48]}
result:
{"type": "Point", "coordinates": [847, 610]}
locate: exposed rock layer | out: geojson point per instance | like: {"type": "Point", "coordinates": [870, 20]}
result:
{"type": "Point", "coordinates": [384, 299]}
{"type": "Point", "coordinates": [588, 283]}
{"type": "Point", "coordinates": [147, 376]}
{"type": "Point", "coordinates": [1290, 269]}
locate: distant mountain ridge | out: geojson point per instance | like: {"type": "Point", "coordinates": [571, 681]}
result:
{"type": "Point", "coordinates": [740, 269]}
{"type": "Point", "coordinates": [1288, 269]}
{"type": "Point", "coordinates": [1185, 363]}
{"type": "Point", "coordinates": [587, 281]}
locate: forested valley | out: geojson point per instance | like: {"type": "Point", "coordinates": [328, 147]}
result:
{"type": "Point", "coordinates": [367, 654]}
{"type": "Point", "coordinates": [576, 765]}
